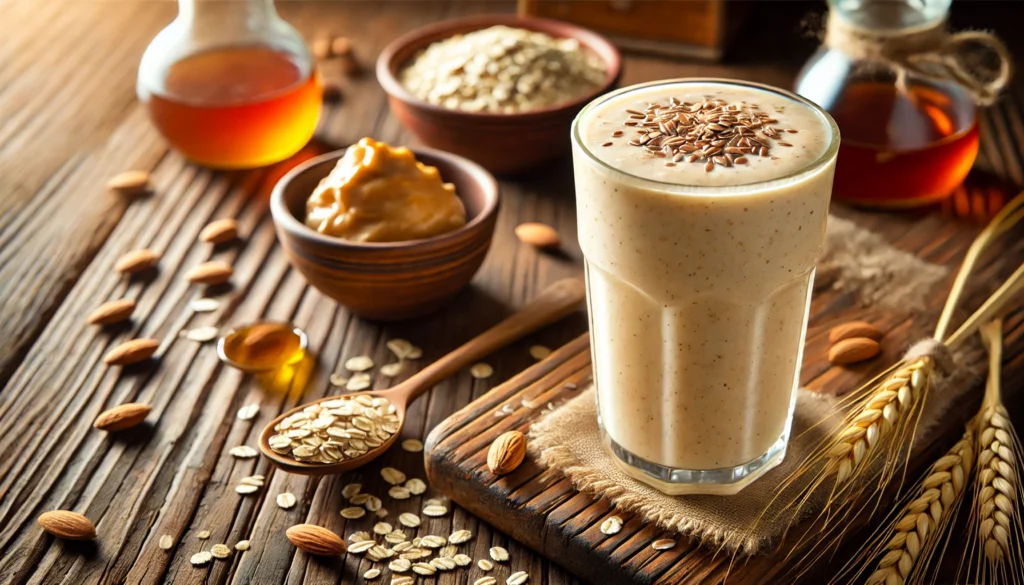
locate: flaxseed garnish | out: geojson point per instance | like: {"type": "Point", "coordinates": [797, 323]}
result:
{"type": "Point", "coordinates": [498, 554]}
{"type": "Point", "coordinates": [242, 545]}
{"type": "Point", "coordinates": [412, 445]}
{"type": "Point", "coordinates": [416, 486]}
{"type": "Point", "coordinates": [285, 500]}
{"type": "Point", "coordinates": [336, 430]}
{"type": "Point", "coordinates": [248, 412]}
{"type": "Point", "coordinates": [713, 132]}
{"type": "Point", "coordinates": [166, 542]}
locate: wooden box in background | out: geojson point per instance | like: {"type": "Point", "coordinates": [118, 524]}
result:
{"type": "Point", "coordinates": [690, 28]}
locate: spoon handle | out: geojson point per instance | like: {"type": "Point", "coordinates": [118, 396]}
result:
{"type": "Point", "coordinates": [553, 303]}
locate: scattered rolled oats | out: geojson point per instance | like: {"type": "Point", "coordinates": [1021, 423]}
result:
{"type": "Point", "coordinates": [399, 347]}
{"type": "Point", "coordinates": [359, 499]}
{"type": "Point", "coordinates": [485, 581]}
{"type": "Point", "coordinates": [399, 493]}
{"type": "Point", "coordinates": [285, 500]}
{"type": "Point", "coordinates": [400, 565]}
{"type": "Point", "coordinates": [360, 381]}
{"type": "Point", "coordinates": [435, 511]}
{"type": "Point", "coordinates": [201, 558]}
{"type": "Point", "coordinates": [448, 551]}
{"type": "Point", "coordinates": [401, 546]}
{"type": "Point", "coordinates": [204, 305]}
{"type": "Point", "coordinates": [498, 553]}
{"type": "Point", "coordinates": [256, 480]}
{"type": "Point", "coordinates": [423, 569]}
{"type": "Point", "coordinates": [395, 537]}
{"type": "Point", "coordinates": [360, 363]}
{"type": "Point", "coordinates": [485, 565]}
{"type": "Point", "coordinates": [382, 528]}
{"type": "Point", "coordinates": [415, 353]}
{"type": "Point", "coordinates": [663, 544]}
{"type": "Point", "coordinates": [351, 490]}
{"type": "Point", "coordinates": [612, 525]}
{"type": "Point", "coordinates": [392, 475]}
{"type": "Point", "coordinates": [248, 412]}
{"type": "Point", "coordinates": [517, 578]}
{"type": "Point", "coordinates": [242, 545]}
{"type": "Point", "coordinates": [202, 334]}
{"type": "Point", "coordinates": [372, 504]}
{"type": "Point", "coordinates": [502, 70]}
{"type": "Point", "coordinates": [382, 513]}
{"type": "Point", "coordinates": [337, 380]}
{"type": "Point", "coordinates": [481, 371]}
{"type": "Point", "coordinates": [402, 580]}
{"type": "Point", "coordinates": [371, 574]}
{"type": "Point", "coordinates": [409, 520]}
{"type": "Point", "coordinates": [443, 563]}
{"type": "Point", "coordinates": [353, 513]}
{"type": "Point", "coordinates": [166, 542]}
{"type": "Point", "coordinates": [220, 551]}
{"type": "Point", "coordinates": [460, 536]}
{"type": "Point", "coordinates": [246, 489]}
{"type": "Point", "coordinates": [243, 452]}
{"type": "Point", "coordinates": [203, 534]}
{"type": "Point", "coordinates": [539, 352]}
{"type": "Point", "coordinates": [416, 486]}
{"type": "Point", "coordinates": [412, 445]}
{"type": "Point", "coordinates": [392, 370]}
{"type": "Point", "coordinates": [432, 541]}
{"type": "Point", "coordinates": [360, 536]}
{"type": "Point", "coordinates": [462, 560]}
{"type": "Point", "coordinates": [361, 546]}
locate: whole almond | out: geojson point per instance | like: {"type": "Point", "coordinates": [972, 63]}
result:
{"type": "Point", "coordinates": [506, 452]}
{"type": "Point", "coordinates": [853, 350]}
{"type": "Point", "coordinates": [112, 312]}
{"type": "Point", "coordinates": [122, 417]}
{"type": "Point", "coordinates": [131, 352]}
{"type": "Point", "coordinates": [219, 231]}
{"type": "Point", "coordinates": [538, 234]}
{"type": "Point", "coordinates": [67, 525]}
{"type": "Point", "coordinates": [137, 261]}
{"type": "Point", "coordinates": [316, 540]}
{"type": "Point", "coordinates": [210, 273]}
{"type": "Point", "coordinates": [130, 182]}
{"type": "Point", "coordinates": [854, 329]}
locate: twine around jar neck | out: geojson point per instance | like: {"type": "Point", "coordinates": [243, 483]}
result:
{"type": "Point", "coordinates": [929, 52]}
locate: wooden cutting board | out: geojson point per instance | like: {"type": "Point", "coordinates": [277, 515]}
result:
{"type": "Point", "coordinates": [540, 508]}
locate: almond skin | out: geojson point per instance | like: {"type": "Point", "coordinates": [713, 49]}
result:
{"type": "Point", "coordinates": [210, 273]}
{"type": "Point", "coordinates": [67, 525]}
{"type": "Point", "coordinates": [131, 352]}
{"type": "Point", "coordinates": [506, 452]}
{"type": "Point", "coordinates": [122, 417]}
{"type": "Point", "coordinates": [130, 182]}
{"type": "Point", "coordinates": [854, 329]}
{"type": "Point", "coordinates": [112, 312]}
{"type": "Point", "coordinates": [316, 540]}
{"type": "Point", "coordinates": [219, 231]}
{"type": "Point", "coordinates": [137, 261]}
{"type": "Point", "coordinates": [538, 234]}
{"type": "Point", "coordinates": [853, 350]}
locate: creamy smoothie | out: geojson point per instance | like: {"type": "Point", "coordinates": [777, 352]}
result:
{"type": "Point", "coordinates": [702, 207]}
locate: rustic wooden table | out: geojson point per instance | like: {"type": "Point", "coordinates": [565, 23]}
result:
{"type": "Point", "coordinates": [69, 120]}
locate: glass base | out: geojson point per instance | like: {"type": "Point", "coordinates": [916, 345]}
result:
{"type": "Point", "coordinates": [724, 481]}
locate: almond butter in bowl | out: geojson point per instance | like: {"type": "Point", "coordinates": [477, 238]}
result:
{"type": "Point", "coordinates": [262, 346]}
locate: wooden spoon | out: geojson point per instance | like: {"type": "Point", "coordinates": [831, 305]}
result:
{"type": "Point", "coordinates": [554, 303]}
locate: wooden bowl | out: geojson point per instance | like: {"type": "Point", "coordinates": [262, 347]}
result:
{"type": "Point", "coordinates": [394, 280]}
{"type": "Point", "coordinates": [502, 143]}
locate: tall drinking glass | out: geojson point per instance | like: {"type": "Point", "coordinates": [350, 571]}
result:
{"type": "Point", "coordinates": [702, 206]}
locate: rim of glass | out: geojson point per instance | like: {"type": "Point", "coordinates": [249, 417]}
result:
{"type": "Point", "coordinates": [825, 158]}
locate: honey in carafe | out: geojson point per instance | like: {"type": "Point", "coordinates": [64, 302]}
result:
{"type": "Point", "coordinates": [237, 107]}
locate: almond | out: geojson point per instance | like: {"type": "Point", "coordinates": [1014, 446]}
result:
{"type": "Point", "coordinates": [219, 231]}
{"type": "Point", "coordinates": [853, 350]}
{"type": "Point", "coordinates": [131, 352]}
{"type": "Point", "coordinates": [341, 46]}
{"type": "Point", "coordinates": [210, 273]}
{"type": "Point", "coordinates": [122, 417]}
{"type": "Point", "coordinates": [130, 182]}
{"type": "Point", "coordinates": [67, 525]}
{"type": "Point", "coordinates": [316, 540]}
{"type": "Point", "coordinates": [321, 48]}
{"type": "Point", "coordinates": [506, 452]}
{"type": "Point", "coordinates": [538, 234]}
{"type": "Point", "coordinates": [137, 261]}
{"type": "Point", "coordinates": [854, 329]}
{"type": "Point", "coordinates": [112, 312]}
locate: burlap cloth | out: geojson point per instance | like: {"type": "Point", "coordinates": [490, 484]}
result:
{"type": "Point", "coordinates": [567, 438]}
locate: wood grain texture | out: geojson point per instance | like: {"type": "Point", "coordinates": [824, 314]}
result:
{"type": "Point", "coordinates": [69, 120]}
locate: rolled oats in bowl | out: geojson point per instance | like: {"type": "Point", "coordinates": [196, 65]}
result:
{"type": "Point", "coordinates": [502, 70]}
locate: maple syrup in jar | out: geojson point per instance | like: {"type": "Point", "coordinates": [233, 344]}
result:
{"type": "Point", "coordinates": [231, 85]}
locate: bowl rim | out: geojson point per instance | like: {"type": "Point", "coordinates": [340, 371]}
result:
{"type": "Point", "coordinates": [387, 79]}
{"type": "Point", "coordinates": [283, 216]}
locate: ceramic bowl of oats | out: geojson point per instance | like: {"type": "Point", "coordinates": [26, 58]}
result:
{"type": "Point", "coordinates": [501, 90]}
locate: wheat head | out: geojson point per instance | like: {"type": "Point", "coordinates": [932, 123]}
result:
{"type": "Point", "coordinates": [997, 487]}
{"type": "Point", "coordinates": [918, 529]}
{"type": "Point", "coordinates": [889, 405]}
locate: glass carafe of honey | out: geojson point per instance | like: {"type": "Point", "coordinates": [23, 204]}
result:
{"type": "Point", "coordinates": [905, 94]}
{"type": "Point", "coordinates": [230, 84]}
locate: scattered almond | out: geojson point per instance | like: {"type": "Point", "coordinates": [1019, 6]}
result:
{"type": "Point", "coordinates": [130, 182]}
{"type": "Point", "coordinates": [67, 525]}
{"type": "Point", "coordinates": [122, 417]}
{"type": "Point", "coordinates": [112, 312]}
{"type": "Point", "coordinates": [854, 329]}
{"type": "Point", "coordinates": [853, 350]}
{"type": "Point", "coordinates": [137, 261]}
{"type": "Point", "coordinates": [166, 542]}
{"type": "Point", "coordinates": [341, 46]}
{"type": "Point", "coordinates": [321, 48]}
{"type": "Point", "coordinates": [219, 231]}
{"type": "Point", "coordinates": [213, 272]}
{"type": "Point", "coordinates": [506, 452]}
{"type": "Point", "coordinates": [538, 234]}
{"type": "Point", "coordinates": [131, 352]}
{"type": "Point", "coordinates": [315, 540]}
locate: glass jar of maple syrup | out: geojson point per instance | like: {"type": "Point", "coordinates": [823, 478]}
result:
{"type": "Point", "coordinates": [909, 129]}
{"type": "Point", "coordinates": [230, 84]}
